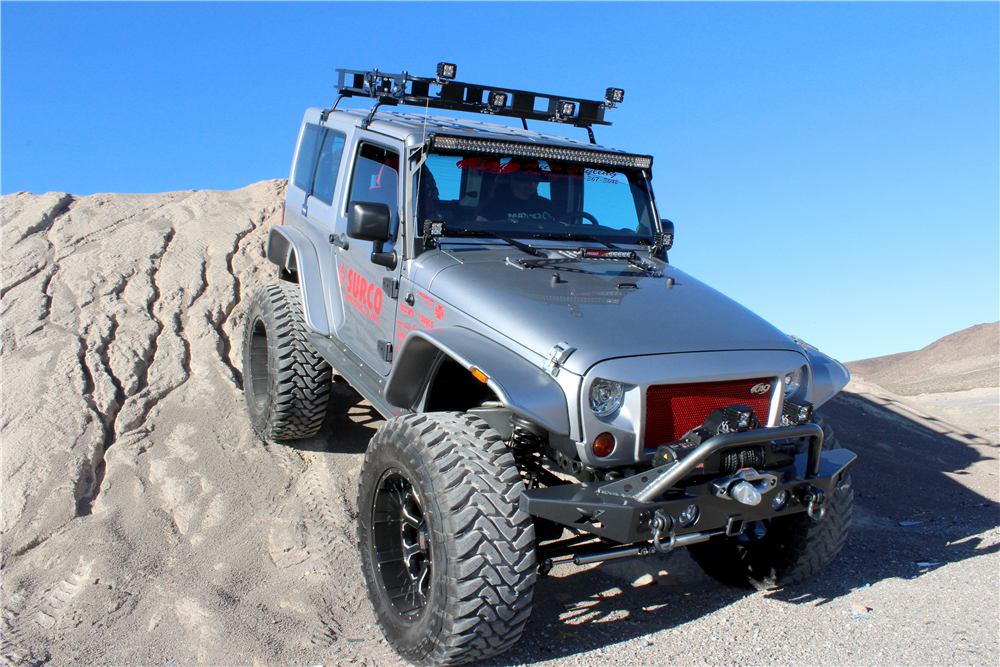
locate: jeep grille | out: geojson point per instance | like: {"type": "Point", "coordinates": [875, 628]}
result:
{"type": "Point", "coordinates": [674, 409]}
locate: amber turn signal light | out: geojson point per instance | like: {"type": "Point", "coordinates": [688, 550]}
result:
{"type": "Point", "coordinates": [479, 375]}
{"type": "Point", "coordinates": [603, 445]}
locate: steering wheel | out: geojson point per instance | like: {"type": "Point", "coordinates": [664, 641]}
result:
{"type": "Point", "coordinates": [573, 215]}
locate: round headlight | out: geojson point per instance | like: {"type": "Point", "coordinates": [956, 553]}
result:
{"type": "Point", "coordinates": [793, 381]}
{"type": "Point", "coordinates": [606, 396]}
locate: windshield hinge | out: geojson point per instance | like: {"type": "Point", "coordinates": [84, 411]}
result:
{"type": "Point", "coordinates": [557, 357]}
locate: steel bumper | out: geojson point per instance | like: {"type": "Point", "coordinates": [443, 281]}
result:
{"type": "Point", "coordinates": [624, 510]}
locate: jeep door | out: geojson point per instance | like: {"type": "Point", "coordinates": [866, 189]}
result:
{"type": "Point", "coordinates": [369, 321]}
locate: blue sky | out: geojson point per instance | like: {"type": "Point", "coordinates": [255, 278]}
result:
{"type": "Point", "coordinates": [835, 167]}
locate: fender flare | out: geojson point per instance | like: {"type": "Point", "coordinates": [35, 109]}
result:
{"type": "Point", "coordinates": [523, 388]}
{"type": "Point", "coordinates": [291, 249]}
{"type": "Point", "coordinates": [829, 376]}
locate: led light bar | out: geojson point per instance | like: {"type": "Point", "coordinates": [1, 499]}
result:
{"type": "Point", "coordinates": [514, 149]}
{"type": "Point", "coordinates": [607, 254]}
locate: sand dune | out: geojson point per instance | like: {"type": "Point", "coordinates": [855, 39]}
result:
{"type": "Point", "coordinates": [139, 510]}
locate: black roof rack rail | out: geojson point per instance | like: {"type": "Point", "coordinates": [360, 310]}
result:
{"type": "Point", "coordinates": [393, 89]}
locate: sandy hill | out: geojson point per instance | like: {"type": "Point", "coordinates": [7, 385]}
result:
{"type": "Point", "coordinates": [968, 359]}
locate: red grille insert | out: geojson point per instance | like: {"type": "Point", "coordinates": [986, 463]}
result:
{"type": "Point", "coordinates": [674, 409]}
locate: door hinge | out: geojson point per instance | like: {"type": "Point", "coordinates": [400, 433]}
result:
{"type": "Point", "coordinates": [391, 287]}
{"type": "Point", "coordinates": [385, 350]}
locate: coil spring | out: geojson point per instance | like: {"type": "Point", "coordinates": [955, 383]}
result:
{"type": "Point", "coordinates": [523, 441]}
{"type": "Point", "coordinates": [525, 445]}
{"type": "Point", "coordinates": [744, 457]}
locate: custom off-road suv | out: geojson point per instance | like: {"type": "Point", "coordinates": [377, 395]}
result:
{"type": "Point", "coordinates": [554, 389]}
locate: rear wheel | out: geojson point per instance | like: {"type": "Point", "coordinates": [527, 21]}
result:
{"type": "Point", "coordinates": [781, 551]}
{"type": "Point", "coordinates": [286, 383]}
{"type": "Point", "coordinates": [447, 553]}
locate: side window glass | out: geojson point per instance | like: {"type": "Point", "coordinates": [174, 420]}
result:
{"type": "Point", "coordinates": [376, 177]}
{"type": "Point", "coordinates": [305, 159]}
{"type": "Point", "coordinates": [329, 163]}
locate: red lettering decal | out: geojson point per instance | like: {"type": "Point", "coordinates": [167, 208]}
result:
{"type": "Point", "coordinates": [377, 306]}
{"type": "Point", "coordinates": [405, 326]}
{"type": "Point", "coordinates": [428, 300]}
{"type": "Point", "coordinates": [400, 334]}
{"type": "Point", "coordinates": [426, 322]}
{"type": "Point", "coordinates": [472, 163]}
{"type": "Point", "coordinates": [406, 310]}
{"type": "Point", "coordinates": [368, 296]}
{"type": "Point", "coordinates": [439, 312]}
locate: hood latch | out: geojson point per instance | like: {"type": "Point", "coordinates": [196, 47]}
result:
{"type": "Point", "coordinates": [557, 357]}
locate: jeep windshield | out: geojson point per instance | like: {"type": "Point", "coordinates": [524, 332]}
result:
{"type": "Point", "coordinates": [535, 198]}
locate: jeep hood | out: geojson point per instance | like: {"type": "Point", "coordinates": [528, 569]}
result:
{"type": "Point", "coordinates": [605, 309]}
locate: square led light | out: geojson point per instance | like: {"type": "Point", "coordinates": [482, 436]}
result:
{"type": "Point", "coordinates": [566, 109]}
{"type": "Point", "coordinates": [614, 95]}
{"type": "Point", "coordinates": [446, 70]}
{"type": "Point", "coordinates": [498, 99]}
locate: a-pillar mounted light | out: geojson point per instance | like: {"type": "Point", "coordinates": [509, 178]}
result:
{"type": "Point", "coordinates": [613, 96]}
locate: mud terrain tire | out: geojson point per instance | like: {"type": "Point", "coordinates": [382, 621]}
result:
{"type": "Point", "coordinates": [447, 553]}
{"type": "Point", "coordinates": [286, 383]}
{"type": "Point", "coordinates": [791, 549]}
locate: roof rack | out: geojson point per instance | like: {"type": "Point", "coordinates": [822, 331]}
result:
{"type": "Point", "coordinates": [393, 89]}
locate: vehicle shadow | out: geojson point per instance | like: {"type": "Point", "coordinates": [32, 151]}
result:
{"type": "Point", "coordinates": [925, 492]}
{"type": "Point", "coordinates": [349, 424]}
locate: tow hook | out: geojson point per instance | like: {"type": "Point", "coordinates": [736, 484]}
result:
{"type": "Point", "coordinates": [745, 487]}
{"type": "Point", "coordinates": [663, 527]}
{"type": "Point", "coordinates": [815, 501]}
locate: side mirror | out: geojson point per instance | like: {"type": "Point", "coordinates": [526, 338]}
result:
{"type": "Point", "coordinates": [368, 221]}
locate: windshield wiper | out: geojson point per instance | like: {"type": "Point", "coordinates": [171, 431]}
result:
{"type": "Point", "coordinates": [523, 247]}
{"type": "Point", "coordinates": [576, 237]}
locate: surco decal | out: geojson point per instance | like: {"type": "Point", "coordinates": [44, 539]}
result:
{"type": "Point", "coordinates": [363, 295]}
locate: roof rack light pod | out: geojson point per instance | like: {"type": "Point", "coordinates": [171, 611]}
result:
{"type": "Point", "coordinates": [515, 149]}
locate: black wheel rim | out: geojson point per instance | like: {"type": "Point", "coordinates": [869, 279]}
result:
{"type": "Point", "coordinates": [401, 544]}
{"type": "Point", "coordinates": [258, 364]}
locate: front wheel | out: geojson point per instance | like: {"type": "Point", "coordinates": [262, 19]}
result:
{"type": "Point", "coordinates": [447, 554]}
{"type": "Point", "coordinates": [784, 550]}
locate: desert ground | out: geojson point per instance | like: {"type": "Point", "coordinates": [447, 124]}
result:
{"type": "Point", "coordinates": [143, 523]}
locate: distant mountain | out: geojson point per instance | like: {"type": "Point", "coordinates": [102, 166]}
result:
{"type": "Point", "coordinates": [968, 359]}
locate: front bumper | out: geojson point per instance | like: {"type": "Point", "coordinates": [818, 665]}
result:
{"type": "Point", "coordinates": [623, 511]}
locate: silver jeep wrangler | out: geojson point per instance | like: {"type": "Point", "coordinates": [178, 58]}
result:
{"type": "Point", "coordinates": [554, 389]}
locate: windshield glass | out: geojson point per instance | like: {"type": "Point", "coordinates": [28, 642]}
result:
{"type": "Point", "coordinates": [528, 198]}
